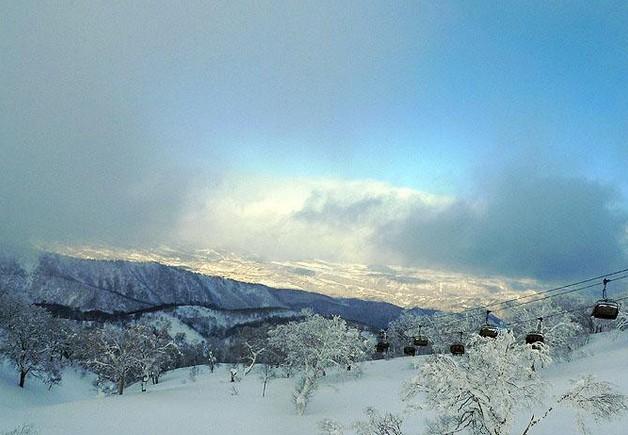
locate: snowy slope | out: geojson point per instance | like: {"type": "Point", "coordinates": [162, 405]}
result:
{"type": "Point", "coordinates": [108, 290]}
{"type": "Point", "coordinates": [124, 286]}
{"type": "Point", "coordinates": [211, 406]}
{"type": "Point", "coordinates": [403, 286]}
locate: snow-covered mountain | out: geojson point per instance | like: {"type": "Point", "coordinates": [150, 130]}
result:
{"type": "Point", "coordinates": [402, 286]}
{"type": "Point", "coordinates": [113, 289]}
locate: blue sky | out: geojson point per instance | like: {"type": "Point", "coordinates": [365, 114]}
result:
{"type": "Point", "coordinates": [418, 94]}
{"type": "Point", "coordinates": [129, 122]}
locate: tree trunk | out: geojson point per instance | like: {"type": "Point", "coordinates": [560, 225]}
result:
{"type": "Point", "coordinates": [301, 398]}
{"type": "Point", "coordinates": [23, 374]}
{"type": "Point", "coordinates": [121, 385]}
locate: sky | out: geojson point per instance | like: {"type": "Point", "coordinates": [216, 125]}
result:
{"type": "Point", "coordinates": [488, 137]}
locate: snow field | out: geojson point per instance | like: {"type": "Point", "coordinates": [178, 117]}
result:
{"type": "Point", "coordinates": [213, 405]}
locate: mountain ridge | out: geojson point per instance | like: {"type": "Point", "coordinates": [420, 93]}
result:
{"type": "Point", "coordinates": [110, 289]}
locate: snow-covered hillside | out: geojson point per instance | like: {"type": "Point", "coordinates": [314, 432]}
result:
{"type": "Point", "coordinates": [403, 286]}
{"type": "Point", "coordinates": [111, 290]}
{"type": "Point", "coordinates": [213, 405]}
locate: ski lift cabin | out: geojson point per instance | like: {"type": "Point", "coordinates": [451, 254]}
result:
{"type": "Point", "coordinates": [420, 340]}
{"type": "Point", "coordinates": [488, 330]}
{"type": "Point", "coordinates": [534, 337]}
{"type": "Point", "coordinates": [605, 308]}
{"type": "Point", "coordinates": [382, 347]}
{"type": "Point", "coordinates": [537, 336]}
{"type": "Point", "coordinates": [382, 344]}
{"type": "Point", "coordinates": [457, 348]}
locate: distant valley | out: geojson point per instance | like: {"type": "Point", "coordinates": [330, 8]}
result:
{"type": "Point", "coordinates": [402, 286]}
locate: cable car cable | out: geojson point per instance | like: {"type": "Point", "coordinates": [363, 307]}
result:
{"type": "Point", "coordinates": [484, 307]}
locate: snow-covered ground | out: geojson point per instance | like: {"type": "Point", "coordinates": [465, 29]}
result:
{"type": "Point", "coordinates": [213, 405]}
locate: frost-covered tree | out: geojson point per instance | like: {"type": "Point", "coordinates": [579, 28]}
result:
{"type": "Point", "coordinates": [313, 345]}
{"type": "Point", "coordinates": [480, 391]}
{"type": "Point", "coordinates": [210, 357]}
{"type": "Point", "coordinates": [443, 330]}
{"type": "Point", "coordinates": [252, 356]}
{"type": "Point", "coordinates": [403, 329]}
{"type": "Point", "coordinates": [30, 340]}
{"type": "Point", "coordinates": [563, 333]}
{"type": "Point", "coordinates": [588, 397]}
{"type": "Point", "coordinates": [114, 354]}
{"type": "Point", "coordinates": [621, 323]}
{"type": "Point", "coordinates": [156, 349]}
{"type": "Point", "coordinates": [23, 429]}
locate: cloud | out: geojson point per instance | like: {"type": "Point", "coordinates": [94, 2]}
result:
{"type": "Point", "coordinates": [288, 218]}
{"type": "Point", "coordinates": [524, 224]}
{"type": "Point", "coordinates": [520, 224]}
{"type": "Point", "coordinates": [79, 161]}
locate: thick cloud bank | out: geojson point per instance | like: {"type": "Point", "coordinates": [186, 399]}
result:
{"type": "Point", "coordinates": [522, 224]}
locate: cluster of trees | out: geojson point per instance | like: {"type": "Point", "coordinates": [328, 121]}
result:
{"type": "Point", "coordinates": [140, 351]}
{"type": "Point", "coordinates": [456, 388]}
{"type": "Point", "coordinates": [40, 345]}
{"type": "Point", "coordinates": [484, 391]}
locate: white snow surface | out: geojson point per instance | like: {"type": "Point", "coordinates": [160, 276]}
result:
{"type": "Point", "coordinates": [210, 405]}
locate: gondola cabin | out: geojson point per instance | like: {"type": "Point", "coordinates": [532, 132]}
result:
{"type": "Point", "coordinates": [535, 337]}
{"type": "Point", "coordinates": [606, 309]}
{"type": "Point", "coordinates": [420, 341]}
{"type": "Point", "coordinates": [409, 350]}
{"type": "Point", "coordinates": [457, 349]}
{"type": "Point", "coordinates": [382, 347]}
{"type": "Point", "coordinates": [489, 331]}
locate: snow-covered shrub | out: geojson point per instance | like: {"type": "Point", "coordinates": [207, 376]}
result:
{"type": "Point", "coordinates": [379, 424]}
{"type": "Point", "coordinates": [313, 345]}
{"type": "Point", "coordinates": [480, 391]}
{"type": "Point", "coordinates": [23, 429]}
{"type": "Point", "coordinates": [588, 397]}
{"type": "Point", "coordinates": [330, 427]}
{"type": "Point", "coordinates": [193, 373]}
{"type": "Point", "coordinates": [210, 357]}
{"type": "Point", "coordinates": [598, 399]}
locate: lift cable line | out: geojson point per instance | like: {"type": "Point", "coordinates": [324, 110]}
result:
{"type": "Point", "coordinates": [543, 292]}
{"type": "Point", "coordinates": [568, 292]}
{"type": "Point", "coordinates": [545, 317]}
{"type": "Point", "coordinates": [573, 310]}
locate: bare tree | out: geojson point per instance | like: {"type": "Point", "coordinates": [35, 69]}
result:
{"type": "Point", "coordinates": [29, 338]}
